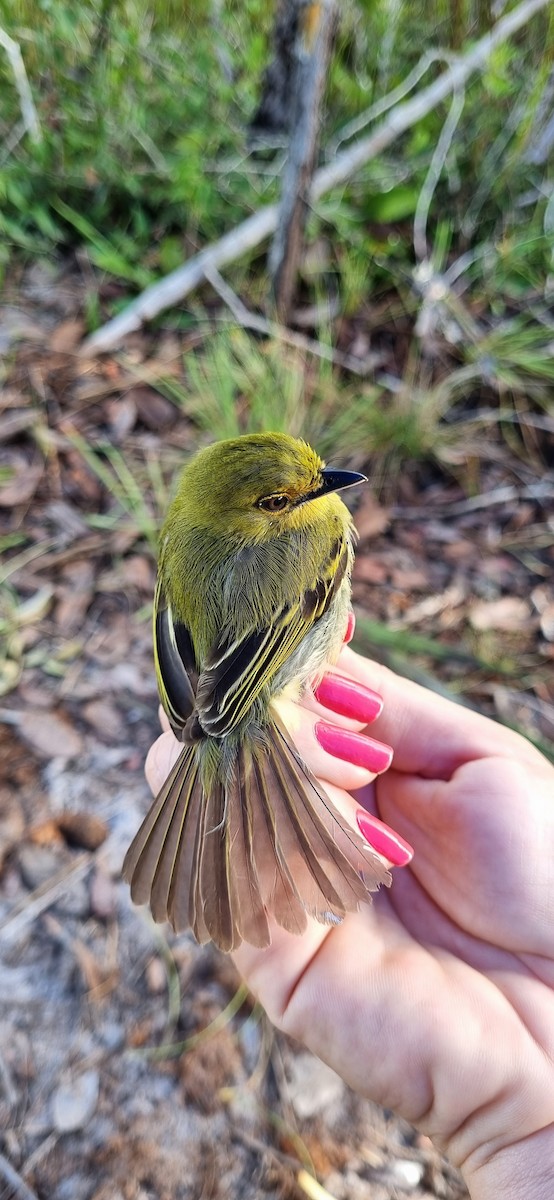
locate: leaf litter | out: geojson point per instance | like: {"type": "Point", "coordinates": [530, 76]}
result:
{"type": "Point", "coordinates": [458, 594]}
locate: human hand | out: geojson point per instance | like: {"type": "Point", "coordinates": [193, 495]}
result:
{"type": "Point", "coordinates": [436, 1001]}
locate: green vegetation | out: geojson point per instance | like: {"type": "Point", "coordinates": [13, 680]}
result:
{"type": "Point", "coordinates": [143, 110]}
{"type": "Point", "coordinates": [428, 347]}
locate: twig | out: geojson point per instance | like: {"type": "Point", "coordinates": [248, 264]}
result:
{"type": "Point", "coordinates": [312, 49]}
{"type": "Point", "coordinates": [433, 175]}
{"type": "Point", "coordinates": [506, 494]}
{"type": "Point", "coordinates": [28, 110]}
{"type": "Point", "coordinates": [40, 1152]}
{"type": "Point", "coordinates": [259, 324]}
{"type": "Point", "coordinates": [7, 1083]}
{"type": "Point", "coordinates": [45, 895]}
{"type": "Point", "coordinates": [14, 1180]}
{"type": "Point", "coordinates": [369, 115]}
{"type": "Point", "coordinates": [260, 225]}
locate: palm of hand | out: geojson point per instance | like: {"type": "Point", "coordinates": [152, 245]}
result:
{"type": "Point", "coordinates": [438, 1001]}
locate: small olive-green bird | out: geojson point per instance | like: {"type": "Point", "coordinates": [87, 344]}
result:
{"type": "Point", "coordinates": [252, 601]}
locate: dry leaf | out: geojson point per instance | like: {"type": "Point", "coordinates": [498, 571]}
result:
{"type": "Point", "coordinates": [66, 336]}
{"type": "Point", "coordinates": [12, 823]}
{"type": "Point", "coordinates": [431, 606]}
{"type": "Point", "coordinates": [155, 411]}
{"type": "Point", "coordinates": [103, 895]}
{"type": "Point", "coordinates": [50, 734]}
{"type": "Point", "coordinates": [370, 518]}
{"type": "Point", "coordinates": [82, 829]}
{"type": "Point", "coordinates": [46, 834]}
{"type": "Point", "coordinates": [369, 570]}
{"type": "Point", "coordinates": [75, 1101]}
{"type": "Point", "coordinates": [122, 415]}
{"type": "Point", "coordinates": [105, 718]}
{"type": "Point", "coordinates": [76, 594]}
{"type": "Point", "coordinates": [138, 571]}
{"type": "Point", "coordinates": [547, 622]}
{"type": "Point", "coordinates": [506, 615]}
{"type": "Point", "coordinates": [22, 484]}
{"type": "Point", "coordinates": [408, 579]}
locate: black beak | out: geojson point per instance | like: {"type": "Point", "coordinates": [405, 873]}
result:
{"type": "Point", "coordinates": [334, 481]}
{"type": "Point", "coordinates": [337, 481]}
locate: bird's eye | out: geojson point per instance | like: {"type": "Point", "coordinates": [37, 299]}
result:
{"type": "Point", "coordinates": [274, 504]}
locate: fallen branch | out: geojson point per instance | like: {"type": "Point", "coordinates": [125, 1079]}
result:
{"type": "Point", "coordinates": [14, 1180]}
{"type": "Point", "coordinates": [259, 324]}
{"type": "Point", "coordinates": [250, 233]}
{"type": "Point", "coordinates": [312, 51]}
{"type": "Point", "coordinates": [28, 111]}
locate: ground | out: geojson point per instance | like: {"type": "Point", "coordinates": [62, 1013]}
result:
{"type": "Point", "coordinates": [109, 1088]}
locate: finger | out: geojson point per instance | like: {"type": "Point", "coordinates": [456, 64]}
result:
{"type": "Point", "coordinates": [160, 759]}
{"type": "Point", "coordinates": [390, 847]}
{"type": "Point", "coordinates": [432, 736]}
{"type": "Point", "coordinates": [345, 697]}
{"type": "Point", "coordinates": [163, 718]}
{"type": "Point", "coordinates": [335, 753]}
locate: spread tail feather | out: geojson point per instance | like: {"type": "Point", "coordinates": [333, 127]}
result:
{"type": "Point", "coordinates": [267, 842]}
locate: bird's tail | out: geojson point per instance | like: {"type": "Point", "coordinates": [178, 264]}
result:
{"type": "Point", "coordinates": [266, 842]}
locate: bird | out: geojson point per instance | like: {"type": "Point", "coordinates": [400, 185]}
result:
{"type": "Point", "coordinates": [252, 600]}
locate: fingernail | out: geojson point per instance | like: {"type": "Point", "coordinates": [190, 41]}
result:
{"type": "Point", "coordinates": [384, 840]}
{"type": "Point", "coordinates": [354, 747]}
{"type": "Point", "coordinates": [348, 698]}
{"type": "Point", "coordinates": [350, 628]}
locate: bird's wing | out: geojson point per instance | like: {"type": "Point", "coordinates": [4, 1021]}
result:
{"type": "Point", "coordinates": [176, 669]}
{"type": "Point", "coordinates": [238, 669]}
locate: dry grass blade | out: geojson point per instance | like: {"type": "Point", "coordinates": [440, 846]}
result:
{"type": "Point", "coordinates": [14, 1180]}
{"type": "Point", "coordinates": [175, 1049]}
{"type": "Point", "coordinates": [44, 896]}
{"type": "Point", "coordinates": [312, 1188]}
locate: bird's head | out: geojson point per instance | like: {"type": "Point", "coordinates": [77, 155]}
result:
{"type": "Point", "coordinates": [258, 486]}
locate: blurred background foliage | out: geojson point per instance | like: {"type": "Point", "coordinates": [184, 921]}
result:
{"type": "Point", "coordinates": [424, 329]}
{"type": "Point", "coordinates": [144, 158]}
{"type": "Point", "coordinates": [143, 108]}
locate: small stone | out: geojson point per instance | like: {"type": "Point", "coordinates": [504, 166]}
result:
{"type": "Point", "coordinates": [75, 1101]}
{"type": "Point", "coordinates": [507, 614]}
{"type": "Point", "coordinates": [313, 1086]}
{"type": "Point", "coordinates": [407, 1174]}
{"type": "Point", "coordinates": [38, 864]}
{"type": "Point", "coordinates": [76, 901]}
{"type": "Point", "coordinates": [103, 896]}
{"type": "Point", "coordinates": [156, 976]}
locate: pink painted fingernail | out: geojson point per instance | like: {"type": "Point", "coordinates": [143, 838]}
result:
{"type": "Point", "coordinates": [354, 747]}
{"type": "Point", "coordinates": [384, 840]}
{"type": "Point", "coordinates": [350, 628]}
{"type": "Point", "coordinates": [348, 698]}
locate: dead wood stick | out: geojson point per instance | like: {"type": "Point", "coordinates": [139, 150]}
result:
{"type": "Point", "coordinates": [289, 337]}
{"type": "Point", "coordinates": [249, 234]}
{"type": "Point", "coordinates": [44, 896]}
{"type": "Point", "coordinates": [312, 51]}
{"type": "Point", "coordinates": [29, 116]}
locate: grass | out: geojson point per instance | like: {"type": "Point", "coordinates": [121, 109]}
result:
{"type": "Point", "coordinates": [144, 111]}
{"type": "Point", "coordinates": [129, 489]}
